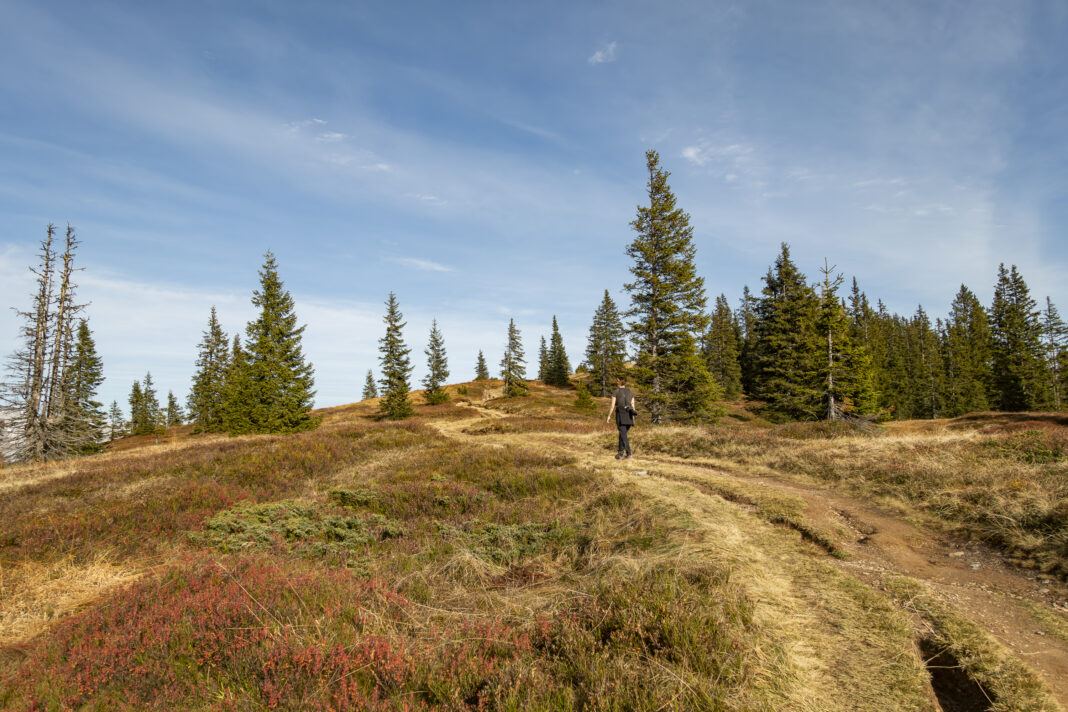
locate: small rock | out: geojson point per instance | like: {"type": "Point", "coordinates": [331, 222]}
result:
{"type": "Point", "coordinates": [956, 553]}
{"type": "Point", "coordinates": [1043, 590]}
{"type": "Point", "coordinates": [976, 566]}
{"type": "Point", "coordinates": [641, 473]}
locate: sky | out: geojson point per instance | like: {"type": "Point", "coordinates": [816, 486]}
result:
{"type": "Point", "coordinates": [484, 160]}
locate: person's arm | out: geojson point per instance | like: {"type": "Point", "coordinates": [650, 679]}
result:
{"type": "Point", "coordinates": [611, 409]}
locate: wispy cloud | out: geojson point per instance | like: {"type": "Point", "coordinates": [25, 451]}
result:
{"type": "Point", "coordinates": [603, 55]}
{"type": "Point", "coordinates": [733, 162]}
{"type": "Point", "coordinates": [425, 265]}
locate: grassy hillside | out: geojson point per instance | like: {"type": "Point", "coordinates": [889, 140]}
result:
{"type": "Point", "coordinates": [485, 554]}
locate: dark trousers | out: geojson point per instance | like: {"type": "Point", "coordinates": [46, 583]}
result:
{"type": "Point", "coordinates": [624, 444]}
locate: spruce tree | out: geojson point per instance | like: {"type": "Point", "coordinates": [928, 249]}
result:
{"type": "Point", "coordinates": [116, 422]}
{"type": "Point", "coordinates": [1020, 374]}
{"type": "Point", "coordinates": [584, 401]}
{"type": "Point", "coordinates": [866, 395]}
{"type": "Point", "coordinates": [281, 383]}
{"type": "Point", "coordinates": [667, 305]}
{"type": "Point", "coordinates": [175, 416]}
{"type": "Point", "coordinates": [543, 360]}
{"type": "Point", "coordinates": [745, 317]}
{"type": "Point", "coordinates": [845, 369]}
{"type": "Point", "coordinates": [396, 366]}
{"type": "Point", "coordinates": [237, 392]}
{"type": "Point", "coordinates": [1055, 337]}
{"type": "Point", "coordinates": [513, 370]}
{"type": "Point", "coordinates": [369, 388]}
{"type": "Point", "coordinates": [137, 409]}
{"type": "Point", "coordinates": [606, 347]}
{"type": "Point", "coordinates": [924, 369]}
{"type": "Point", "coordinates": [144, 408]}
{"type": "Point", "coordinates": [967, 356]}
{"type": "Point", "coordinates": [891, 358]}
{"type": "Point", "coordinates": [84, 375]}
{"type": "Point", "coordinates": [557, 366]}
{"type": "Point", "coordinates": [787, 349]}
{"type": "Point", "coordinates": [437, 365]}
{"type": "Point", "coordinates": [481, 369]}
{"type": "Point", "coordinates": [206, 397]}
{"type": "Point", "coordinates": [721, 349]}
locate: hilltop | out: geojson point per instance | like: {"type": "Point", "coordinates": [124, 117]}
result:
{"type": "Point", "coordinates": [489, 553]}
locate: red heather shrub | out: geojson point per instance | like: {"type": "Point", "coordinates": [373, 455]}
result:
{"type": "Point", "coordinates": [240, 633]}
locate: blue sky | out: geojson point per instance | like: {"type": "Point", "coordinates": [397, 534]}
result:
{"type": "Point", "coordinates": [484, 160]}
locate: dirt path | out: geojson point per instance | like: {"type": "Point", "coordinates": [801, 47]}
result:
{"type": "Point", "coordinates": [968, 577]}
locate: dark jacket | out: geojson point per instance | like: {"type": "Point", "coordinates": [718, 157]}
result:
{"type": "Point", "coordinates": [624, 406]}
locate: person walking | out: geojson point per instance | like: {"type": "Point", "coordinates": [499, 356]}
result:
{"type": "Point", "coordinates": [624, 408]}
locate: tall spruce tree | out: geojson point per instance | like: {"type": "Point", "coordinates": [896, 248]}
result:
{"type": "Point", "coordinates": [370, 390]}
{"type": "Point", "coordinates": [606, 346]}
{"type": "Point", "coordinates": [924, 368]}
{"type": "Point", "coordinates": [1021, 377]}
{"type": "Point", "coordinates": [481, 369]}
{"type": "Point", "coordinates": [967, 356]}
{"type": "Point", "coordinates": [513, 369]}
{"type": "Point", "coordinates": [892, 337]}
{"type": "Point", "coordinates": [396, 366]}
{"type": "Point", "coordinates": [667, 306]}
{"type": "Point", "coordinates": [787, 349]}
{"type": "Point", "coordinates": [543, 360]}
{"type": "Point", "coordinates": [721, 349]}
{"type": "Point", "coordinates": [846, 370]}
{"type": "Point", "coordinates": [206, 399]}
{"type": "Point", "coordinates": [437, 365]}
{"type": "Point", "coordinates": [557, 367]}
{"type": "Point", "coordinates": [1055, 337]}
{"type": "Point", "coordinates": [84, 376]}
{"type": "Point", "coordinates": [867, 397]}
{"type": "Point", "coordinates": [137, 409]}
{"type": "Point", "coordinates": [281, 382]}
{"type": "Point", "coordinates": [745, 317]}
{"type": "Point", "coordinates": [237, 392]}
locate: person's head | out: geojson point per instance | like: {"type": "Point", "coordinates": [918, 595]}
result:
{"type": "Point", "coordinates": [621, 381]}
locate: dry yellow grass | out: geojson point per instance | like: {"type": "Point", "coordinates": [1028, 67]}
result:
{"type": "Point", "coordinates": [33, 594]}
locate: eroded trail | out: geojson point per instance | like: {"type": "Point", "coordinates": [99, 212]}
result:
{"type": "Point", "coordinates": [871, 543]}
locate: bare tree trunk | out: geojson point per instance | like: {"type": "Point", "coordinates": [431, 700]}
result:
{"type": "Point", "coordinates": [832, 410]}
{"type": "Point", "coordinates": [65, 310]}
{"type": "Point", "coordinates": [36, 395]}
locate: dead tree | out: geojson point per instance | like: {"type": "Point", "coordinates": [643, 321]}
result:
{"type": "Point", "coordinates": [45, 423]}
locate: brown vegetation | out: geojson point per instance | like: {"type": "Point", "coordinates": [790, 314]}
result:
{"type": "Point", "coordinates": [458, 560]}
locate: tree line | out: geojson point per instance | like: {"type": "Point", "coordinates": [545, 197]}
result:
{"type": "Point", "coordinates": [804, 351]}
{"type": "Point", "coordinates": [800, 349]}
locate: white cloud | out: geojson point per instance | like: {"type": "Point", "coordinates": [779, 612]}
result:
{"type": "Point", "coordinates": [425, 265]}
{"type": "Point", "coordinates": [603, 55]}
{"type": "Point", "coordinates": [330, 137]}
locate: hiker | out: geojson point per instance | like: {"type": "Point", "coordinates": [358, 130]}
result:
{"type": "Point", "coordinates": [623, 407]}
